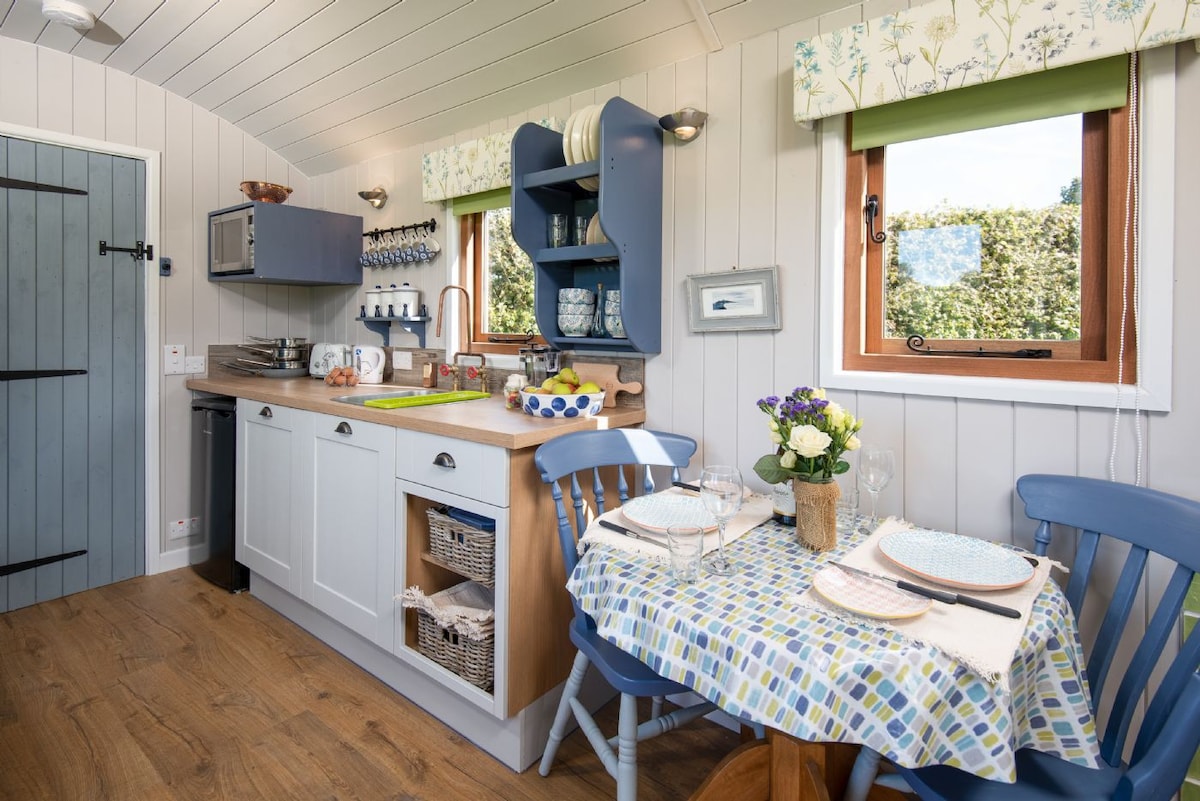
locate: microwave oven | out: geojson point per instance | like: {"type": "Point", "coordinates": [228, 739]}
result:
{"type": "Point", "coordinates": [274, 243]}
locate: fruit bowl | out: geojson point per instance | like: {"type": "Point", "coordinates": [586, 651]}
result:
{"type": "Point", "coordinates": [544, 404]}
{"type": "Point", "coordinates": [266, 192]}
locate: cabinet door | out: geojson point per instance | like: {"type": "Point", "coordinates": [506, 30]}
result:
{"type": "Point", "coordinates": [267, 484]}
{"type": "Point", "coordinates": [350, 557]}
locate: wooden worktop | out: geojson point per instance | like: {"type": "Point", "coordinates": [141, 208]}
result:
{"type": "Point", "coordinates": [485, 421]}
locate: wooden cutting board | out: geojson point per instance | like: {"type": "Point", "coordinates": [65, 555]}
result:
{"type": "Point", "coordinates": [606, 376]}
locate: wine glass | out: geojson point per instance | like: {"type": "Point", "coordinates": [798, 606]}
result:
{"type": "Point", "coordinates": [721, 493]}
{"type": "Point", "coordinates": [876, 466]}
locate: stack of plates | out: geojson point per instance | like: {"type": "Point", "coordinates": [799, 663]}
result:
{"type": "Point", "coordinates": [581, 141]}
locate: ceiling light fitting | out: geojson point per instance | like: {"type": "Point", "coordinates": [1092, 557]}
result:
{"type": "Point", "coordinates": [685, 123]}
{"type": "Point", "coordinates": [376, 197]}
{"type": "Point", "coordinates": [73, 15]}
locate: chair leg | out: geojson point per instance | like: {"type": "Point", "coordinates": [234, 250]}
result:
{"type": "Point", "coordinates": [559, 729]}
{"type": "Point", "coordinates": [656, 702]}
{"type": "Point", "coordinates": [627, 725]}
{"type": "Point", "coordinates": [862, 775]}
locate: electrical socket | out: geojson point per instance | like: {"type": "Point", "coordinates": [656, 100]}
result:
{"type": "Point", "coordinates": [194, 364]}
{"type": "Point", "coordinates": [173, 357]}
{"type": "Point", "coordinates": [177, 530]}
{"type": "Point", "coordinates": [194, 526]}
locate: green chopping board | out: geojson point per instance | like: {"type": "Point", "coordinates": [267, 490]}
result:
{"type": "Point", "coordinates": [426, 400]}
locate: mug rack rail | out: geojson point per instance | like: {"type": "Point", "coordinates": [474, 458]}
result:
{"type": "Point", "coordinates": [428, 226]}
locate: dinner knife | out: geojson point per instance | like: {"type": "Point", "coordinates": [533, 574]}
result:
{"type": "Point", "coordinates": [937, 595]}
{"type": "Point", "coordinates": [628, 532]}
{"type": "Point", "coordinates": [686, 486]}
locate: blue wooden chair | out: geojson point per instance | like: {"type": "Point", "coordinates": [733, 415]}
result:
{"type": "Point", "coordinates": [584, 454]}
{"type": "Point", "coordinates": [1169, 734]}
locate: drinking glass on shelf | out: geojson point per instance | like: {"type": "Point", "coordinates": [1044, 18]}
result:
{"type": "Point", "coordinates": [721, 492]}
{"type": "Point", "coordinates": [876, 466]}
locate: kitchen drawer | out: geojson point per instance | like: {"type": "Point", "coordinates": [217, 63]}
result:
{"type": "Point", "coordinates": [479, 471]}
{"type": "Point", "coordinates": [267, 414]}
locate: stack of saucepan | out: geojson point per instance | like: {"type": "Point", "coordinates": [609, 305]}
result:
{"type": "Point", "coordinates": [280, 357]}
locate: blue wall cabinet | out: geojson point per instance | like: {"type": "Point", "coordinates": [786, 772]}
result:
{"type": "Point", "coordinates": [629, 202]}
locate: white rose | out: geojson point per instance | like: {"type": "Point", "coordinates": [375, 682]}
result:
{"type": "Point", "coordinates": [788, 460]}
{"type": "Point", "coordinates": [853, 443]}
{"type": "Point", "coordinates": [809, 441]}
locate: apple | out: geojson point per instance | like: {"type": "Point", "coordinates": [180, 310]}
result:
{"type": "Point", "coordinates": [562, 389]}
{"type": "Point", "coordinates": [549, 384]}
{"type": "Point", "coordinates": [567, 375]}
{"type": "Point", "coordinates": [588, 387]}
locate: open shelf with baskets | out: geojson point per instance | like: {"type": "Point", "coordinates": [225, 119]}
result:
{"type": "Point", "coordinates": [629, 203]}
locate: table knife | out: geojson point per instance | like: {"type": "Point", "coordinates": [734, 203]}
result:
{"type": "Point", "coordinates": [628, 532]}
{"type": "Point", "coordinates": [686, 486]}
{"type": "Point", "coordinates": [937, 595]}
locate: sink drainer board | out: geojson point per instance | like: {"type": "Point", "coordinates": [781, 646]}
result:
{"type": "Point", "coordinates": [425, 400]}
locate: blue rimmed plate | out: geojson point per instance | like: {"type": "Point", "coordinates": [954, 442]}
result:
{"type": "Point", "coordinates": [956, 561]}
{"type": "Point", "coordinates": [662, 509]}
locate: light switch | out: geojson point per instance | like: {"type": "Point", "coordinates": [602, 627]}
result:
{"type": "Point", "coordinates": [173, 359]}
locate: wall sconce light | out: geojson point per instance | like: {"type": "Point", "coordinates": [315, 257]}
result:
{"type": "Point", "coordinates": [685, 123]}
{"type": "Point", "coordinates": [376, 197]}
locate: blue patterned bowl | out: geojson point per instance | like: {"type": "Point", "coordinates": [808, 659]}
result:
{"type": "Point", "coordinates": [542, 405]}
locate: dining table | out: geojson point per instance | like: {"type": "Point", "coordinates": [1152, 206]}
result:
{"type": "Point", "coordinates": [823, 681]}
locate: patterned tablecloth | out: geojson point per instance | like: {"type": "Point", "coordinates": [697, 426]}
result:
{"type": "Point", "coordinates": [744, 644]}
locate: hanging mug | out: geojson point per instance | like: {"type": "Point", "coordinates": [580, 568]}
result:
{"type": "Point", "coordinates": [386, 248]}
{"type": "Point", "coordinates": [376, 254]}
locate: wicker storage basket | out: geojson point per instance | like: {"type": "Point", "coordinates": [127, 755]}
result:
{"type": "Point", "coordinates": [473, 658]}
{"type": "Point", "coordinates": [466, 549]}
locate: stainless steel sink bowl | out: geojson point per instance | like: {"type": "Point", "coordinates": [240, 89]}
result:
{"type": "Point", "coordinates": [413, 392]}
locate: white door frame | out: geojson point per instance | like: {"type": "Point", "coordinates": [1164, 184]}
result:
{"type": "Point", "coordinates": [152, 160]}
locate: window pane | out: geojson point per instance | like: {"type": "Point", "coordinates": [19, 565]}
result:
{"type": "Point", "coordinates": [984, 233]}
{"type": "Point", "coordinates": [509, 279]}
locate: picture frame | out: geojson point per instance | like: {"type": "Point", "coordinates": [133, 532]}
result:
{"type": "Point", "coordinates": [734, 300]}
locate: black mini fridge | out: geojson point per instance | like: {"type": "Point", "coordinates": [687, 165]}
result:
{"type": "Point", "coordinates": [217, 416]}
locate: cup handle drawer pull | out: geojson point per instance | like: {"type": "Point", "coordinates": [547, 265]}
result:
{"type": "Point", "coordinates": [444, 459]}
{"type": "Point", "coordinates": [343, 428]}
{"type": "Point", "coordinates": [266, 412]}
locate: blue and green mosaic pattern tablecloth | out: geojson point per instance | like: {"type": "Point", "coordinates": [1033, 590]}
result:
{"type": "Point", "coordinates": [743, 644]}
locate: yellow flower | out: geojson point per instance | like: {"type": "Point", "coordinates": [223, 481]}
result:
{"type": "Point", "coordinates": [941, 28]}
{"type": "Point", "coordinates": [853, 443]}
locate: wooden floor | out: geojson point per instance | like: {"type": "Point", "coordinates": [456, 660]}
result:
{"type": "Point", "coordinates": [167, 688]}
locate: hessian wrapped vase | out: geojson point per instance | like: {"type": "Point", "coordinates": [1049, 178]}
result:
{"type": "Point", "coordinates": [816, 513]}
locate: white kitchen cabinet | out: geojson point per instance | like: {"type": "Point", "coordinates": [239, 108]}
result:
{"type": "Point", "coordinates": [269, 504]}
{"type": "Point", "coordinates": [350, 548]}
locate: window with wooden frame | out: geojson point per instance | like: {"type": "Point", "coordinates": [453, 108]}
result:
{"type": "Point", "coordinates": [498, 274]}
{"type": "Point", "coordinates": [945, 274]}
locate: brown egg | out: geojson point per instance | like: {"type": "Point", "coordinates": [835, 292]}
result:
{"type": "Point", "coordinates": [339, 381]}
{"type": "Point", "coordinates": [352, 380]}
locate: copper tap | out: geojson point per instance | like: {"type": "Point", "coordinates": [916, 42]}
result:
{"type": "Point", "coordinates": [466, 302]}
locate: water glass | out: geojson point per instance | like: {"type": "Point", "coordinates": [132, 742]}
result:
{"type": "Point", "coordinates": [556, 230]}
{"type": "Point", "coordinates": [847, 510]}
{"type": "Point", "coordinates": [686, 545]}
{"type": "Point", "coordinates": [579, 230]}
{"type": "Point", "coordinates": [721, 493]}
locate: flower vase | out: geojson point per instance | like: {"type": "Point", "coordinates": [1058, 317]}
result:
{"type": "Point", "coordinates": [816, 513]}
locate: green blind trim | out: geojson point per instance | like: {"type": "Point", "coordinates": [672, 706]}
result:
{"type": "Point", "coordinates": [1079, 88]}
{"type": "Point", "coordinates": [482, 201]}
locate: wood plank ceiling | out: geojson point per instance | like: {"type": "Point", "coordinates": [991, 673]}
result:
{"type": "Point", "coordinates": [329, 83]}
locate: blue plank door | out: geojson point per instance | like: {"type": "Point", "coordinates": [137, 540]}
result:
{"type": "Point", "coordinates": [72, 447]}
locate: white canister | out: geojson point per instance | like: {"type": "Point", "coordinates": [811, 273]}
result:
{"type": "Point", "coordinates": [407, 295]}
{"type": "Point", "coordinates": [387, 302]}
{"type": "Point", "coordinates": [374, 299]}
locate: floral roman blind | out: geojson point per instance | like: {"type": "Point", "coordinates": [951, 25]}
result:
{"type": "Point", "coordinates": [472, 167]}
{"type": "Point", "coordinates": [950, 44]}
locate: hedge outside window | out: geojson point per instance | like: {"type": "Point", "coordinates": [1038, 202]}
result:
{"type": "Point", "coordinates": [1050, 277]}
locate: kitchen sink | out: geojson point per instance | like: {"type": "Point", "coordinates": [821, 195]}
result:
{"type": "Point", "coordinates": [404, 398]}
{"type": "Point", "coordinates": [408, 392]}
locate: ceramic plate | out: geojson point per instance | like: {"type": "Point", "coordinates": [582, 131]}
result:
{"type": "Point", "coordinates": [566, 147]}
{"type": "Point", "coordinates": [656, 512]}
{"type": "Point", "coordinates": [590, 143]}
{"type": "Point", "coordinates": [956, 561]}
{"type": "Point", "coordinates": [577, 135]}
{"type": "Point", "coordinates": [593, 133]}
{"type": "Point", "coordinates": [864, 596]}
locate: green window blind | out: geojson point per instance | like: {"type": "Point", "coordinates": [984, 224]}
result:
{"type": "Point", "coordinates": [482, 201]}
{"type": "Point", "coordinates": [1090, 86]}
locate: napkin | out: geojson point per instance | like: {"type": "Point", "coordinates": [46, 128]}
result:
{"type": "Point", "coordinates": [982, 641]}
{"type": "Point", "coordinates": [755, 509]}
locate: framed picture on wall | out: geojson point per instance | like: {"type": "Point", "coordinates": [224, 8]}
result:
{"type": "Point", "coordinates": [737, 300]}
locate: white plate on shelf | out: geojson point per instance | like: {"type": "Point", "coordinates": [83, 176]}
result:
{"type": "Point", "coordinates": [594, 235]}
{"type": "Point", "coordinates": [589, 134]}
{"type": "Point", "coordinates": [662, 509]}
{"type": "Point", "coordinates": [864, 596]}
{"type": "Point", "coordinates": [577, 135]}
{"type": "Point", "coordinates": [594, 133]}
{"type": "Point", "coordinates": [956, 561]}
{"type": "Point", "coordinates": [571, 120]}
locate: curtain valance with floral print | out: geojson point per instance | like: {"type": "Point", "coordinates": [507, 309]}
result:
{"type": "Point", "coordinates": [472, 167]}
{"type": "Point", "coordinates": [949, 44]}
